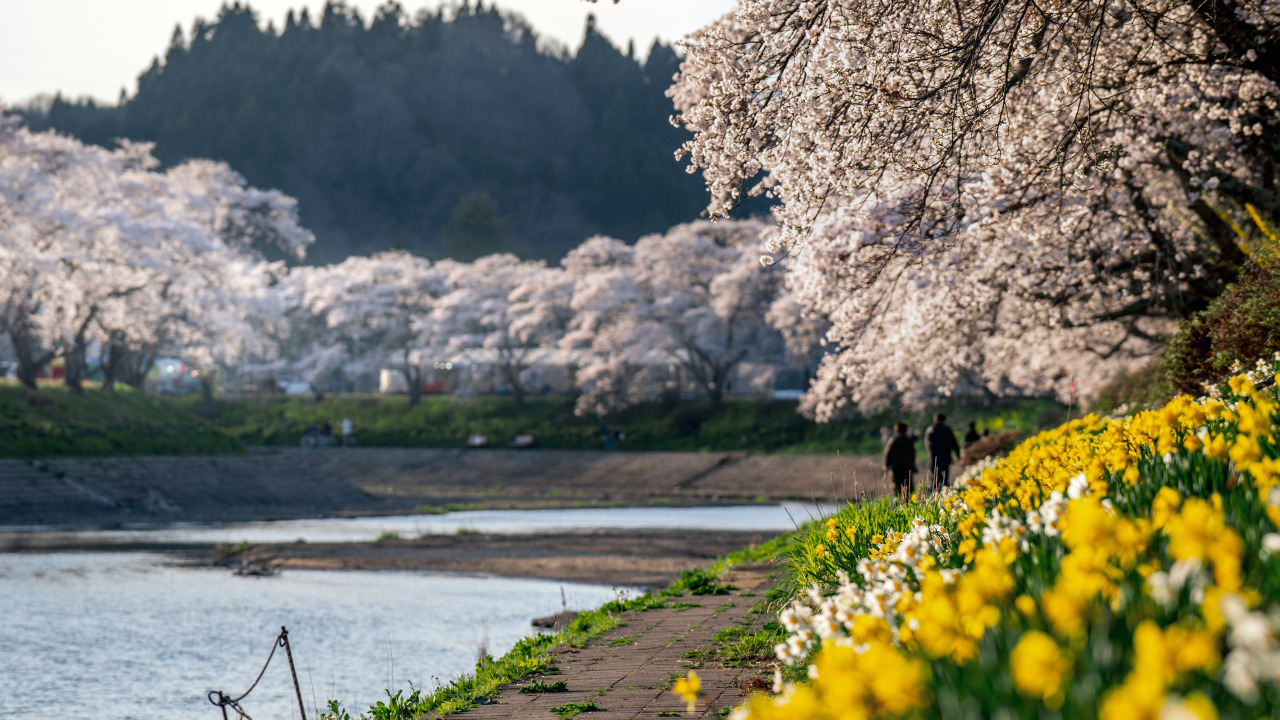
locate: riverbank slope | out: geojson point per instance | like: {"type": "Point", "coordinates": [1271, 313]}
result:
{"type": "Point", "coordinates": [296, 483]}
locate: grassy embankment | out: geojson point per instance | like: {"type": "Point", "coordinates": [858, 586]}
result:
{"type": "Point", "coordinates": [56, 421]}
{"type": "Point", "coordinates": [747, 425]}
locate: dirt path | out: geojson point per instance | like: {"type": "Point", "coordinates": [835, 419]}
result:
{"type": "Point", "coordinates": [628, 671]}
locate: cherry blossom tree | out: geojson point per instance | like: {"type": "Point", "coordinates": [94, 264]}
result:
{"type": "Point", "coordinates": [990, 197]}
{"type": "Point", "coordinates": [609, 323]}
{"type": "Point", "coordinates": [710, 295]}
{"type": "Point", "coordinates": [503, 305]}
{"type": "Point", "coordinates": [99, 246]}
{"type": "Point", "coordinates": [695, 297]}
{"type": "Point", "coordinates": [364, 314]}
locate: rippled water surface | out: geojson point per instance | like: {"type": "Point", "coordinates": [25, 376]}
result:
{"type": "Point", "coordinates": [129, 635]}
{"type": "Point", "coordinates": [763, 518]}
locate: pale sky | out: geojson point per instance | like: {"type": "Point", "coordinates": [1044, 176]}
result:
{"type": "Point", "coordinates": [97, 47]}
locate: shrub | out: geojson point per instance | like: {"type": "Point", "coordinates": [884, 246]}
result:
{"type": "Point", "coordinates": [1241, 326]}
{"type": "Point", "coordinates": [991, 445]}
{"type": "Point", "coordinates": [1146, 387]}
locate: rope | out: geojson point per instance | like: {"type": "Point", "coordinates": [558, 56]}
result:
{"type": "Point", "coordinates": [222, 700]}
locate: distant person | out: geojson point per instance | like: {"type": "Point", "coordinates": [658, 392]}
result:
{"type": "Point", "coordinates": [942, 447]}
{"type": "Point", "coordinates": [326, 432]}
{"type": "Point", "coordinates": [886, 434]}
{"type": "Point", "coordinates": [971, 435]}
{"type": "Point", "coordinates": [900, 459]}
{"type": "Point", "coordinates": [348, 432]}
{"type": "Point", "coordinates": [608, 437]}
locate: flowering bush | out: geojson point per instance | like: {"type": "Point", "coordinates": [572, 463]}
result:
{"type": "Point", "coordinates": [1112, 567]}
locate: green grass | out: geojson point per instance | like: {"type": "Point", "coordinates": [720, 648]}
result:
{"type": "Point", "coordinates": [538, 686]}
{"type": "Point", "coordinates": [747, 649]}
{"type": "Point", "coordinates": [690, 425]}
{"type": "Point", "coordinates": [569, 710]}
{"type": "Point", "coordinates": [93, 423]}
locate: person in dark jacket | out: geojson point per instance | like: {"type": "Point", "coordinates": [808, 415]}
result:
{"type": "Point", "coordinates": [900, 459]}
{"type": "Point", "coordinates": [942, 447]}
{"type": "Point", "coordinates": [971, 435]}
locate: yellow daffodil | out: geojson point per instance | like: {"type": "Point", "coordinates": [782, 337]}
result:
{"type": "Point", "coordinates": [689, 688]}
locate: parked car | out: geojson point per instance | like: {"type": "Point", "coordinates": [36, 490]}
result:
{"type": "Point", "coordinates": [294, 387]}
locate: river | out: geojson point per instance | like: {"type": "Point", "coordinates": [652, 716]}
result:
{"type": "Point", "coordinates": [133, 636]}
{"type": "Point", "coordinates": [128, 635]}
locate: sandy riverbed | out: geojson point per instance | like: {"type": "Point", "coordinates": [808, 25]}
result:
{"type": "Point", "coordinates": [648, 558]}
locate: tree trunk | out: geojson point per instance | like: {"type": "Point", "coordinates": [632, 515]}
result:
{"type": "Point", "coordinates": [412, 379]}
{"type": "Point", "coordinates": [29, 363]}
{"type": "Point", "coordinates": [77, 358]}
{"type": "Point", "coordinates": [715, 394]}
{"type": "Point", "coordinates": [512, 371]}
{"type": "Point", "coordinates": [108, 370]}
{"type": "Point", "coordinates": [207, 403]}
{"type": "Point", "coordinates": [26, 373]}
{"type": "Point", "coordinates": [77, 368]}
{"type": "Point", "coordinates": [129, 366]}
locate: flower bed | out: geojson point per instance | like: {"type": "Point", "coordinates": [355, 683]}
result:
{"type": "Point", "coordinates": [1114, 568]}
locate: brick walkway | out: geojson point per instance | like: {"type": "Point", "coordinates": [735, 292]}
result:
{"type": "Point", "coordinates": [628, 672]}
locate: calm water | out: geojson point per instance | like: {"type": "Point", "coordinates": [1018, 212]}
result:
{"type": "Point", "coordinates": [126, 635]}
{"type": "Point", "coordinates": [746, 517]}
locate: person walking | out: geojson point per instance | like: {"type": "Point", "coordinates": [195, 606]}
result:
{"type": "Point", "coordinates": [941, 445]}
{"type": "Point", "coordinates": [971, 435]}
{"type": "Point", "coordinates": [348, 432]}
{"type": "Point", "coordinates": [900, 460]}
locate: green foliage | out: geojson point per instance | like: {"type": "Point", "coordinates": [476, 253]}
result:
{"type": "Point", "coordinates": [335, 712]}
{"type": "Point", "coordinates": [57, 421]}
{"type": "Point", "coordinates": [569, 710]}
{"type": "Point", "coordinates": [538, 686]}
{"type": "Point", "coordinates": [869, 520]}
{"type": "Point", "coordinates": [697, 582]}
{"type": "Point", "coordinates": [438, 421]}
{"type": "Point", "coordinates": [1241, 326]}
{"type": "Point", "coordinates": [396, 707]}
